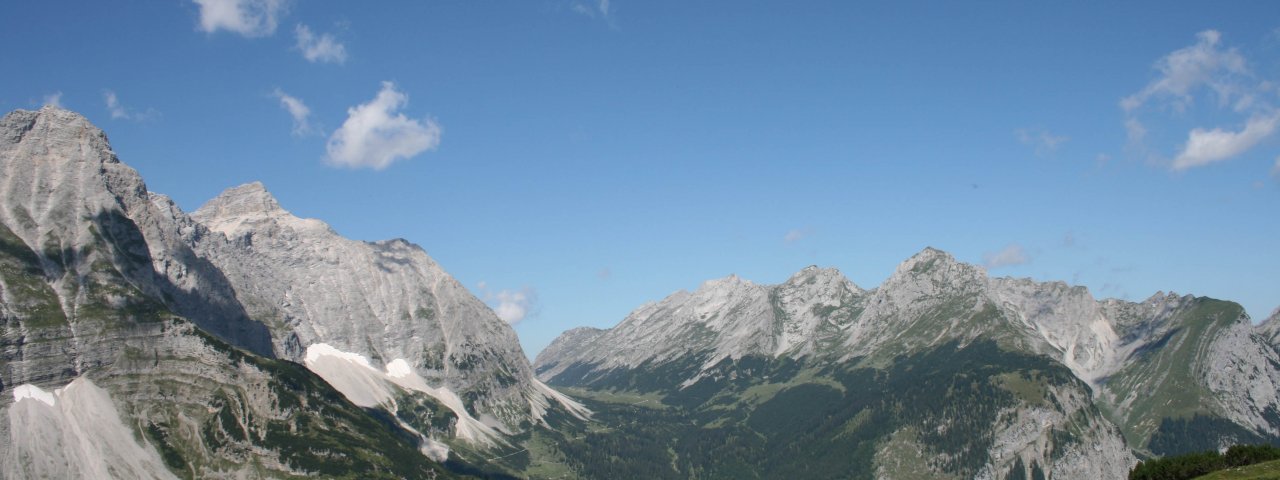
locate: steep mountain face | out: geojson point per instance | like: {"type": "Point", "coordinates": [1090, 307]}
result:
{"type": "Point", "coordinates": [387, 301]}
{"type": "Point", "coordinates": [1195, 375]}
{"type": "Point", "coordinates": [123, 354]}
{"type": "Point", "coordinates": [1269, 329]}
{"type": "Point", "coordinates": [146, 340]}
{"type": "Point", "coordinates": [1173, 373]}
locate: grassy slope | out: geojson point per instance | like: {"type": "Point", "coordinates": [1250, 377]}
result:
{"type": "Point", "coordinates": [1261, 471]}
{"type": "Point", "coordinates": [1164, 382]}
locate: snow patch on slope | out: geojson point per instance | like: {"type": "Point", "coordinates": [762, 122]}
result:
{"type": "Point", "coordinates": [353, 376]}
{"type": "Point", "coordinates": [81, 424]}
{"type": "Point", "coordinates": [33, 392]}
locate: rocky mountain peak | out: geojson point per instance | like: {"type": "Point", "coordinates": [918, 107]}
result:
{"type": "Point", "coordinates": [244, 200]}
{"type": "Point", "coordinates": [52, 125]}
{"type": "Point", "coordinates": [927, 260]}
{"type": "Point", "coordinates": [930, 273]}
{"type": "Point", "coordinates": [249, 207]}
{"type": "Point", "coordinates": [814, 275]}
{"type": "Point", "coordinates": [728, 282]}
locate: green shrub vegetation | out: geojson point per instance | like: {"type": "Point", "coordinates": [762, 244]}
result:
{"type": "Point", "coordinates": [757, 417]}
{"type": "Point", "coordinates": [1192, 465]}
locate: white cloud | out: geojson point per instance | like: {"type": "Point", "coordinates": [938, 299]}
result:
{"type": "Point", "coordinates": [797, 234]}
{"type": "Point", "coordinates": [324, 48]}
{"type": "Point", "coordinates": [1275, 170]}
{"type": "Point", "coordinates": [251, 18]}
{"type": "Point", "coordinates": [1205, 68]}
{"type": "Point", "coordinates": [1208, 146]}
{"type": "Point", "coordinates": [1204, 64]}
{"type": "Point", "coordinates": [1043, 141]}
{"type": "Point", "coordinates": [597, 9]}
{"type": "Point", "coordinates": [512, 306]}
{"type": "Point", "coordinates": [113, 105]}
{"type": "Point", "coordinates": [118, 110]}
{"type": "Point", "coordinates": [298, 110]}
{"type": "Point", "coordinates": [52, 100]}
{"type": "Point", "coordinates": [1009, 256]}
{"type": "Point", "coordinates": [375, 134]}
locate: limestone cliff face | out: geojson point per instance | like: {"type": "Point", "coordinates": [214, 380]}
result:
{"type": "Point", "coordinates": [125, 354]}
{"type": "Point", "coordinates": [384, 300]}
{"type": "Point", "coordinates": [123, 318]}
{"type": "Point", "coordinates": [69, 200]}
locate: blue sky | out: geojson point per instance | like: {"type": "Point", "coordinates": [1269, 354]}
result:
{"type": "Point", "coordinates": [570, 160]}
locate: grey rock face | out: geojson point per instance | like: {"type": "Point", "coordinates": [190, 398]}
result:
{"type": "Point", "coordinates": [385, 300]}
{"type": "Point", "coordinates": [63, 189]}
{"type": "Point", "coordinates": [1270, 328]}
{"type": "Point", "coordinates": [1133, 356]}
{"type": "Point", "coordinates": [109, 286]}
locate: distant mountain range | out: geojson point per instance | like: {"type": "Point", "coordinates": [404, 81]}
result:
{"type": "Point", "coordinates": [240, 341]}
{"type": "Point", "coordinates": [983, 377]}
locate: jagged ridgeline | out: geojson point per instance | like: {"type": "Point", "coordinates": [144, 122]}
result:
{"type": "Point", "coordinates": [941, 372]}
{"type": "Point", "coordinates": [137, 341]}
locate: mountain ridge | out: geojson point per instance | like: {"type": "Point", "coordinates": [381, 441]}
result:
{"type": "Point", "coordinates": [1201, 351]}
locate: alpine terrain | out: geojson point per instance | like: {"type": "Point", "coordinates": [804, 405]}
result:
{"type": "Point", "coordinates": [137, 341]}
{"type": "Point", "coordinates": [241, 341]}
{"type": "Point", "coordinates": [941, 372]}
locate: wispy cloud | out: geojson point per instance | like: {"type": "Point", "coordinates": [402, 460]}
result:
{"type": "Point", "coordinates": [52, 100]}
{"type": "Point", "coordinates": [796, 235]}
{"type": "Point", "coordinates": [1205, 64]}
{"type": "Point", "coordinates": [1222, 74]}
{"type": "Point", "coordinates": [1009, 256]}
{"type": "Point", "coordinates": [250, 18]}
{"type": "Point", "coordinates": [1135, 131]}
{"type": "Point", "coordinates": [118, 110]}
{"type": "Point", "coordinates": [1208, 146]}
{"type": "Point", "coordinates": [601, 9]}
{"type": "Point", "coordinates": [512, 306]}
{"type": "Point", "coordinates": [113, 105]}
{"type": "Point", "coordinates": [375, 134]}
{"type": "Point", "coordinates": [298, 110]}
{"type": "Point", "coordinates": [322, 48]}
{"type": "Point", "coordinates": [1275, 170]}
{"type": "Point", "coordinates": [1042, 140]}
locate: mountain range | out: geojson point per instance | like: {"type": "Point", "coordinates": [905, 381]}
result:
{"type": "Point", "coordinates": [990, 377]}
{"type": "Point", "coordinates": [240, 341]}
